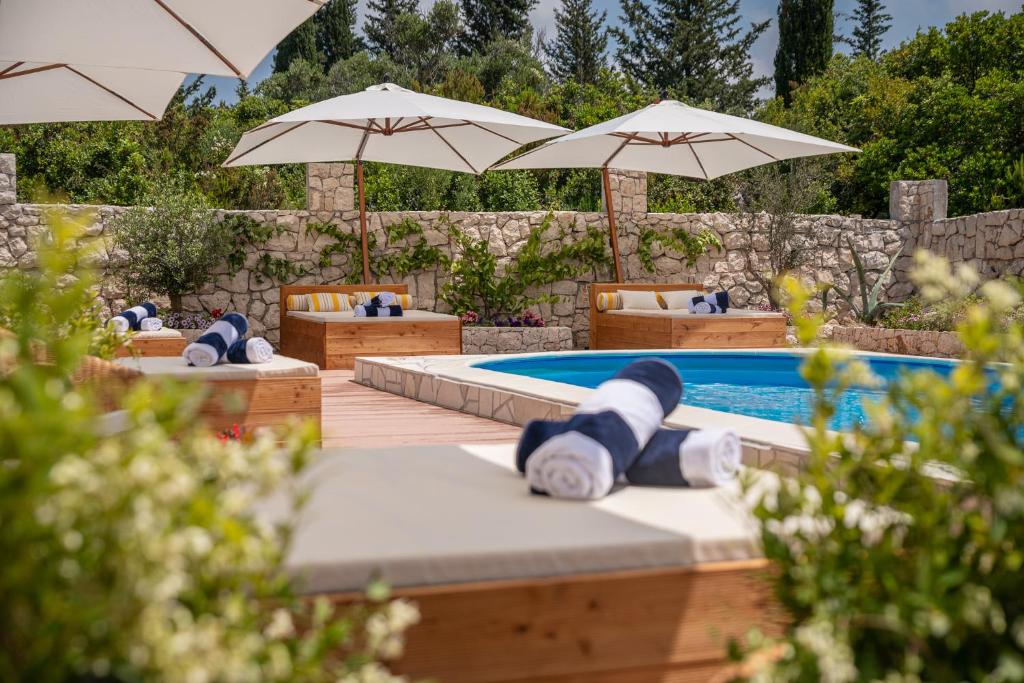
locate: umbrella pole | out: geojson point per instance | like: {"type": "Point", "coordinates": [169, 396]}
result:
{"type": "Point", "coordinates": [362, 222]}
{"type": "Point", "coordinates": [611, 223]}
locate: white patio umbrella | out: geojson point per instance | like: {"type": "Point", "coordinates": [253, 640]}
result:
{"type": "Point", "coordinates": [391, 124]}
{"type": "Point", "coordinates": [38, 92]}
{"type": "Point", "coordinates": [674, 138]}
{"type": "Point", "coordinates": [219, 37]}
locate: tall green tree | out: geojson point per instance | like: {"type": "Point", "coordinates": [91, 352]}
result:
{"type": "Point", "coordinates": [486, 20]}
{"type": "Point", "coordinates": [695, 49]}
{"type": "Point", "coordinates": [379, 26]}
{"type": "Point", "coordinates": [336, 35]}
{"type": "Point", "coordinates": [299, 44]}
{"type": "Point", "coordinates": [871, 22]}
{"type": "Point", "coordinates": [806, 30]}
{"type": "Point", "coordinates": [580, 47]}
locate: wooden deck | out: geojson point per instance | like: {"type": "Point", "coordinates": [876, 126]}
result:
{"type": "Point", "coordinates": [354, 415]}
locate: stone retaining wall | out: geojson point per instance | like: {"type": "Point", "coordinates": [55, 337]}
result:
{"type": "Point", "coordinates": [993, 241]}
{"type": "Point", "coordinates": [906, 342]}
{"type": "Point", "coordinates": [483, 340]}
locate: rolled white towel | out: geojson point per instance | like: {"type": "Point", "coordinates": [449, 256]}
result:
{"type": "Point", "coordinates": [151, 325]}
{"type": "Point", "coordinates": [710, 457]}
{"type": "Point", "coordinates": [207, 350]}
{"type": "Point", "coordinates": [255, 350]}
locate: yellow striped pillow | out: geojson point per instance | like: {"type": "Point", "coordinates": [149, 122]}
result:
{"type": "Point", "coordinates": [609, 301]}
{"type": "Point", "coordinates": [363, 298]}
{"type": "Point", "coordinates": [297, 302]}
{"type": "Point", "coordinates": [329, 301]}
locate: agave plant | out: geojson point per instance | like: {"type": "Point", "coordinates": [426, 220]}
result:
{"type": "Point", "coordinates": [869, 308]}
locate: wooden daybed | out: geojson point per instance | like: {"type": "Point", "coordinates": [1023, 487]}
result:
{"type": "Point", "coordinates": [250, 396]}
{"type": "Point", "coordinates": [648, 584]}
{"type": "Point", "coordinates": [334, 340]}
{"type": "Point", "coordinates": [160, 343]}
{"type": "Point", "coordinates": [679, 329]}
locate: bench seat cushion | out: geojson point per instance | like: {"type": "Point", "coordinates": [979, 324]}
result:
{"type": "Point", "coordinates": [165, 333]}
{"type": "Point", "coordinates": [411, 315]}
{"type": "Point", "coordinates": [430, 515]}
{"type": "Point", "coordinates": [681, 313]}
{"type": "Point", "coordinates": [176, 366]}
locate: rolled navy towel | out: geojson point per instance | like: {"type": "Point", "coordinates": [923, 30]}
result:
{"type": "Point", "coordinates": [371, 311]}
{"type": "Point", "coordinates": [132, 318]}
{"type": "Point", "coordinates": [718, 302]}
{"type": "Point", "coordinates": [384, 299]}
{"type": "Point", "coordinates": [673, 457]}
{"type": "Point", "coordinates": [208, 349]}
{"type": "Point", "coordinates": [254, 350]}
{"type": "Point", "coordinates": [606, 434]}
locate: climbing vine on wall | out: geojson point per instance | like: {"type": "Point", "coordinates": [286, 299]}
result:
{"type": "Point", "coordinates": [406, 250]}
{"type": "Point", "coordinates": [251, 235]}
{"type": "Point", "coordinates": [691, 246]}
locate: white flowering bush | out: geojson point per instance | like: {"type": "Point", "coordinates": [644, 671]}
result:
{"type": "Point", "coordinates": [897, 554]}
{"type": "Point", "coordinates": [129, 552]}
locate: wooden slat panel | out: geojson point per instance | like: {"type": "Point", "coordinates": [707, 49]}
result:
{"type": "Point", "coordinates": [153, 347]}
{"type": "Point", "coordinates": [262, 402]}
{"type": "Point", "coordinates": [664, 625]}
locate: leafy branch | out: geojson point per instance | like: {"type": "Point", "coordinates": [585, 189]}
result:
{"type": "Point", "coordinates": [691, 246]}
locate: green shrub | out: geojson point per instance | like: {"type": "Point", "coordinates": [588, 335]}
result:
{"type": "Point", "coordinates": [479, 284]}
{"type": "Point", "coordinates": [131, 552]}
{"type": "Point", "coordinates": [172, 248]}
{"type": "Point", "coordinates": [898, 560]}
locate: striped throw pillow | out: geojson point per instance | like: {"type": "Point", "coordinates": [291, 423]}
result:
{"type": "Point", "coordinates": [609, 301]}
{"type": "Point", "coordinates": [297, 302]}
{"type": "Point", "coordinates": [363, 298]}
{"type": "Point", "coordinates": [329, 301]}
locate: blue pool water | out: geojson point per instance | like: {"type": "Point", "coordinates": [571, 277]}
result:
{"type": "Point", "coordinates": [767, 386]}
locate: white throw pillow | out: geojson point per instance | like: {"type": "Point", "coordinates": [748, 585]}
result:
{"type": "Point", "coordinates": [643, 300]}
{"type": "Point", "coordinates": [678, 300]}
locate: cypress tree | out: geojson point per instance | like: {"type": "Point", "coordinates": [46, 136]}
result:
{"type": "Point", "coordinates": [380, 23]}
{"type": "Point", "coordinates": [336, 35]}
{"type": "Point", "coordinates": [806, 30]}
{"type": "Point", "coordinates": [871, 22]}
{"type": "Point", "coordinates": [486, 20]}
{"type": "Point", "coordinates": [579, 49]}
{"type": "Point", "coordinates": [695, 48]}
{"type": "Point", "coordinates": [299, 44]}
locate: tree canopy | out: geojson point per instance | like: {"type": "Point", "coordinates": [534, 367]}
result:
{"type": "Point", "coordinates": [806, 30]}
{"type": "Point", "coordinates": [579, 49]}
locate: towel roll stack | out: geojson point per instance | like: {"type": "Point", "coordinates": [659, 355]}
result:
{"type": "Point", "coordinates": [141, 318]}
{"type": "Point", "coordinates": [212, 345]}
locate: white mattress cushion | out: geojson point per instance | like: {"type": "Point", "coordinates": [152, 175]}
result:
{"type": "Point", "coordinates": [643, 300]}
{"type": "Point", "coordinates": [350, 317]}
{"type": "Point", "coordinates": [164, 333]}
{"type": "Point", "coordinates": [732, 312]}
{"type": "Point", "coordinates": [678, 299]}
{"type": "Point", "coordinates": [176, 366]}
{"type": "Point", "coordinates": [447, 514]}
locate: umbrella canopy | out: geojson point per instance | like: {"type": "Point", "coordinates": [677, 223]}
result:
{"type": "Point", "coordinates": [219, 37]}
{"type": "Point", "coordinates": [39, 92]}
{"type": "Point", "coordinates": [391, 124]}
{"type": "Point", "coordinates": [674, 138]}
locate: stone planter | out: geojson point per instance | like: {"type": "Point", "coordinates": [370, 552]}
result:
{"type": "Point", "coordinates": [477, 340]}
{"type": "Point", "coordinates": [906, 342]}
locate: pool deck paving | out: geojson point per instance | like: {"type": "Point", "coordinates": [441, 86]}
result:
{"type": "Point", "coordinates": [359, 416]}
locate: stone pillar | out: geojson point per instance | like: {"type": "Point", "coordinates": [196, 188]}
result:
{"type": "Point", "coordinates": [629, 191]}
{"type": "Point", "coordinates": [330, 187]}
{"type": "Point", "coordinates": [8, 180]}
{"type": "Point", "coordinates": [918, 201]}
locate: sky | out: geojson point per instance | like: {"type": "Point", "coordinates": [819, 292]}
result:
{"type": "Point", "coordinates": [908, 17]}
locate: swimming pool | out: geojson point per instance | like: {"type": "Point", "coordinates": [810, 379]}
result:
{"type": "Point", "coordinates": [766, 386]}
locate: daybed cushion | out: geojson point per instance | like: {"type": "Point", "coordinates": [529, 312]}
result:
{"type": "Point", "coordinates": [350, 317]}
{"type": "Point", "coordinates": [639, 299]}
{"type": "Point", "coordinates": [661, 313]}
{"type": "Point", "coordinates": [444, 514]}
{"type": "Point", "coordinates": [164, 333]}
{"type": "Point", "coordinates": [608, 301]}
{"type": "Point", "coordinates": [677, 299]}
{"type": "Point", "coordinates": [328, 301]}
{"type": "Point", "coordinates": [176, 366]}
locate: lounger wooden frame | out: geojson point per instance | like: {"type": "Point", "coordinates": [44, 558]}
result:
{"type": "Point", "coordinates": [618, 331]}
{"type": "Point", "coordinates": [262, 402]}
{"type": "Point", "coordinates": [666, 626]}
{"type": "Point", "coordinates": [158, 346]}
{"type": "Point", "coordinates": [335, 346]}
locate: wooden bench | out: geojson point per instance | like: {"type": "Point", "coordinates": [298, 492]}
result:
{"type": "Point", "coordinates": [739, 329]}
{"type": "Point", "coordinates": [335, 345]}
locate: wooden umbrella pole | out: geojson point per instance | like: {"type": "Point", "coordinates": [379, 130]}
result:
{"type": "Point", "coordinates": [611, 223]}
{"type": "Point", "coordinates": [362, 222]}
